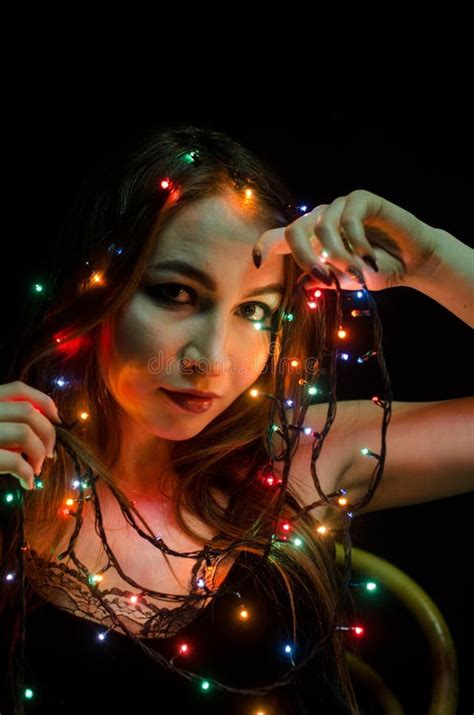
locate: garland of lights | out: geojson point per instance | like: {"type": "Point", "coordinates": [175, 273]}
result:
{"type": "Point", "coordinates": [283, 532]}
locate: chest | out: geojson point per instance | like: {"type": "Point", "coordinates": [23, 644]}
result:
{"type": "Point", "coordinates": [144, 585]}
{"type": "Point", "coordinates": [139, 584]}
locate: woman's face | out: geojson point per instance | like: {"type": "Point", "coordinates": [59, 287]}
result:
{"type": "Point", "coordinates": [174, 316]}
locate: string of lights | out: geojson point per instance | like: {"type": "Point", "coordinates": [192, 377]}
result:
{"type": "Point", "coordinates": [287, 424]}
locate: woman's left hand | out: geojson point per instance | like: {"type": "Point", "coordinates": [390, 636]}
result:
{"type": "Point", "coordinates": [334, 237]}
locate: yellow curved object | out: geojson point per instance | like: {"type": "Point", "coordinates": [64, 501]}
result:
{"type": "Point", "coordinates": [375, 684]}
{"type": "Point", "coordinates": [444, 663]}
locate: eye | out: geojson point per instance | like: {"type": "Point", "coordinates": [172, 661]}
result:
{"type": "Point", "coordinates": [265, 310]}
{"type": "Point", "coordinates": [168, 292]}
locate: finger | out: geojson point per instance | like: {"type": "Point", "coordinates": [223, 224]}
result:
{"type": "Point", "coordinates": [274, 240]}
{"type": "Point", "coordinates": [299, 236]}
{"type": "Point", "coordinates": [20, 437]}
{"type": "Point", "coordinates": [25, 412]}
{"type": "Point", "coordinates": [347, 281]}
{"type": "Point", "coordinates": [351, 223]}
{"type": "Point", "coordinates": [13, 463]}
{"type": "Point", "coordinates": [328, 230]}
{"type": "Point", "coordinates": [18, 391]}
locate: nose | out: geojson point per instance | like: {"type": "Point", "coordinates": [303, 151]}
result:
{"type": "Point", "coordinates": [207, 352]}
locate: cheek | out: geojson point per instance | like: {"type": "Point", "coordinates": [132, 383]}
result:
{"type": "Point", "coordinates": [249, 360]}
{"type": "Point", "coordinates": [142, 335]}
{"type": "Point", "coordinates": [125, 346]}
{"type": "Point", "coordinates": [133, 334]}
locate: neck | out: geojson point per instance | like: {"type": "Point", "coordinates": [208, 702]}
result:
{"type": "Point", "coordinates": [142, 465]}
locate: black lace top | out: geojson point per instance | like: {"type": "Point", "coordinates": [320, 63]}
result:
{"type": "Point", "coordinates": [61, 581]}
{"type": "Point", "coordinates": [71, 670]}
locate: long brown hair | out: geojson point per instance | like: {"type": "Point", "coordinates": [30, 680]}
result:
{"type": "Point", "coordinates": [112, 229]}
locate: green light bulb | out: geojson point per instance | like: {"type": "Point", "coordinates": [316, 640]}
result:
{"type": "Point", "coordinates": [189, 157]}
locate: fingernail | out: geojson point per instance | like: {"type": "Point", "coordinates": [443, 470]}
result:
{"type": "Point", "coordinates": [370, 262]}
{"type": "Point", "coordinates": [354, 272]}
{"type": "Point", "coordinates": [320, 275]}
{"type": "Point", "coordinates": [257, 257]}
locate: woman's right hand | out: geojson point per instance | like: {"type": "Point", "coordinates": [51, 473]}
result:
{"type": "Point", "coordinates": [27, 434]}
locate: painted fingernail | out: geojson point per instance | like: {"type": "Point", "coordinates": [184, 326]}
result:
{"type": "Point", "coordinates": [257, 257]}
{"type": "Point", "coordinates": [354, 272]}
{"type": "Point", "coordinates": [320, 275]}
{"type": "Point", "coordinates": [370, 262]}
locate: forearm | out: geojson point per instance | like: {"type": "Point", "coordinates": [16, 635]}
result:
{"type": "Point", "coordinates": [452, 282]}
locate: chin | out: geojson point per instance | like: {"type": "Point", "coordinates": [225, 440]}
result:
{"type": "Point", "coordinates": [177, 432]}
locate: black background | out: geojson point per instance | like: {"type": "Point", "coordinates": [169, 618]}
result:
{"type": "Point", "coordinates": [417, 158]}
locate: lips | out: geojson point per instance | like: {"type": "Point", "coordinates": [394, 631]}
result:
{"type": "Point", "coordinates": [189, 401]}
{"type": "Point", "coordinates": [193, 393]}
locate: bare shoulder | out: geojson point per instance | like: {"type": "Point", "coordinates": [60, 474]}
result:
{"type": "Point", "coordinates": [336, 455]}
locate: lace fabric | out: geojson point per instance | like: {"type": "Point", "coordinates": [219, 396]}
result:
{"type": "Point", "coordinates": [60, 583]}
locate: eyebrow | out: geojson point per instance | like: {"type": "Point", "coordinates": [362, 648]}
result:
{"type": "Point", "coordinates": [206, 280]}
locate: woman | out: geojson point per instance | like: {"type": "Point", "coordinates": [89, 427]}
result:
{"type": "Point", "coordinates": [169, 300]}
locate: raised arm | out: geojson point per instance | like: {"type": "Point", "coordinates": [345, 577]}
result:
{"type": "Point", "coordinates": [451, 282]}
{"type": "Point", "coordinates": [362, 229]}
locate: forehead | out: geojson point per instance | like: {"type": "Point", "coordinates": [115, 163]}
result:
{"type": "Point", "coordinates": [212, 224]}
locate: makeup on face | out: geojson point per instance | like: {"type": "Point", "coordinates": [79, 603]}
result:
{"type": "Point", "coordinates": [189, 402]}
